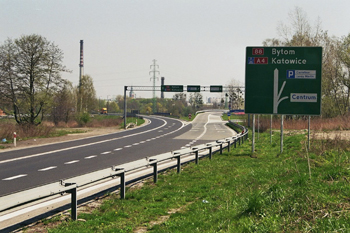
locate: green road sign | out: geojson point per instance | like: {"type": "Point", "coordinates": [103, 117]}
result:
{"type": "Point", "coordinates": [195, 88]}
{"type": "Point", "coordinates": [215, 88]}
{"type": "Point", "coordinates": [172, 88]}
{"type": "Point", "coordinates": [283, 80]}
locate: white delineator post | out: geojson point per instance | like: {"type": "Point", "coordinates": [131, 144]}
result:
{"type": "Point", "coordinates": [14, 138]}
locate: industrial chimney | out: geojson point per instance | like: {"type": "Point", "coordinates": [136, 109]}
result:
{"type": "Point", "coordinates": [81, 64]}
{"type": "Point", "coordinates": [162, 83]}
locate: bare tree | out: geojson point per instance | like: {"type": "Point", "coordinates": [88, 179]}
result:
{"type": "Point", "coordinates": [299, 31]}
{"type": "Point", "coordinates": [335, 69]}
{"type": "Point", "coordinates": [236, 95]}
{"type": "Point", "coordinates": [196, 100]}
{"type": "Point", "coordinates": [180, 97]}
{"type": "Point", "coordinates": [30, 74]}
{"type": "Point", "coordinates": [63, 106]}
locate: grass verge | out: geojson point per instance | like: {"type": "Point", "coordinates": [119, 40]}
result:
{"type": "Point", "coordinates": [296, 191]}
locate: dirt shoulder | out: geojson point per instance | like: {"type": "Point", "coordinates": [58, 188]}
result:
{"type": "Point", "coordinates": [338, 135]}
{"type": "Point", "coordinates": [89, 132]}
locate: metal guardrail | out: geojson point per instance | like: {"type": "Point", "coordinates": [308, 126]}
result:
{"type": "Point", "coordinates": [70, 185]}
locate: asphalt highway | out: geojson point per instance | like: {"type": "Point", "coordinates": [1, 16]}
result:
{"type": "Point", "coordinates": [27, 168]}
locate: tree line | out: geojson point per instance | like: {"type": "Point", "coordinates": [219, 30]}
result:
{"type": "Point", "coordinates": [335, 61]}
{"type": "Point", "coordinates": [32, 88]}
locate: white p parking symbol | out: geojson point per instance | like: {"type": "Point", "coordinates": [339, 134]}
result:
{"type": "Point", "coordinates": [290, 73]}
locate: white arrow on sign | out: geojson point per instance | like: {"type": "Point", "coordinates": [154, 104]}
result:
{"type": "Point", "coordinates": [276, 93]}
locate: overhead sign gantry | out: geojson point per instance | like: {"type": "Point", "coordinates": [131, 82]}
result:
{"type": "Point", "coordinates": [191, 88]}
{"type": "Point", "coordinates": [175, 88]}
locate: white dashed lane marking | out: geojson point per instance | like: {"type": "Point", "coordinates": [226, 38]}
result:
{"type": "Point", "coordinates": [70, 162]}
{"type": "Point", "coordinates": [91, 156]}
{"type": "Point", "coordinates": [47, 168]}
{"type": "Point", "coordinates": [15, 177]}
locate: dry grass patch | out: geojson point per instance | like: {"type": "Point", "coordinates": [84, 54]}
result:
{"type": "Point", "coordinates": [161, 219]}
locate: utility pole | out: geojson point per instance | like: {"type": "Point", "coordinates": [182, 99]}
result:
{"type": "Point", "coordinates": [154, 71]}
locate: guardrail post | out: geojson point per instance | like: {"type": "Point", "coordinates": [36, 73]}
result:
{"type": "Point", "coordinates": [228, 146]}
{"type": "Point", "coordinates": [178, 164]}
{"type": "Point", "coordinates": [155, 172]}
{"type": "Point", "coordinates": [221, 148]}
{"type": "Point", "coordinates": [235, 141]}
{"type": "Point", "coordinates": [122, 185]}
{"type": "Point", "coordinates": [210, 152]}
{"type": "Point", "coordinates": [197, 159]}
{"type": "Point", "coordinates": [74, 203]}
{"type": "Point", "coordinates": [239, 141]}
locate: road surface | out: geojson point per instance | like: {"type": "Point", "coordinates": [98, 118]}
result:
{"type": "Point", "coordinates": [30, 167]}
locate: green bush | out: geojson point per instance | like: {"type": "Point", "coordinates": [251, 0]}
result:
{"type": "Point", "coordinates": [83, 118]}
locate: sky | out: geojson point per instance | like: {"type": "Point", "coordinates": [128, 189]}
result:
{"type": "Point", "coordinates": [194, 42]}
